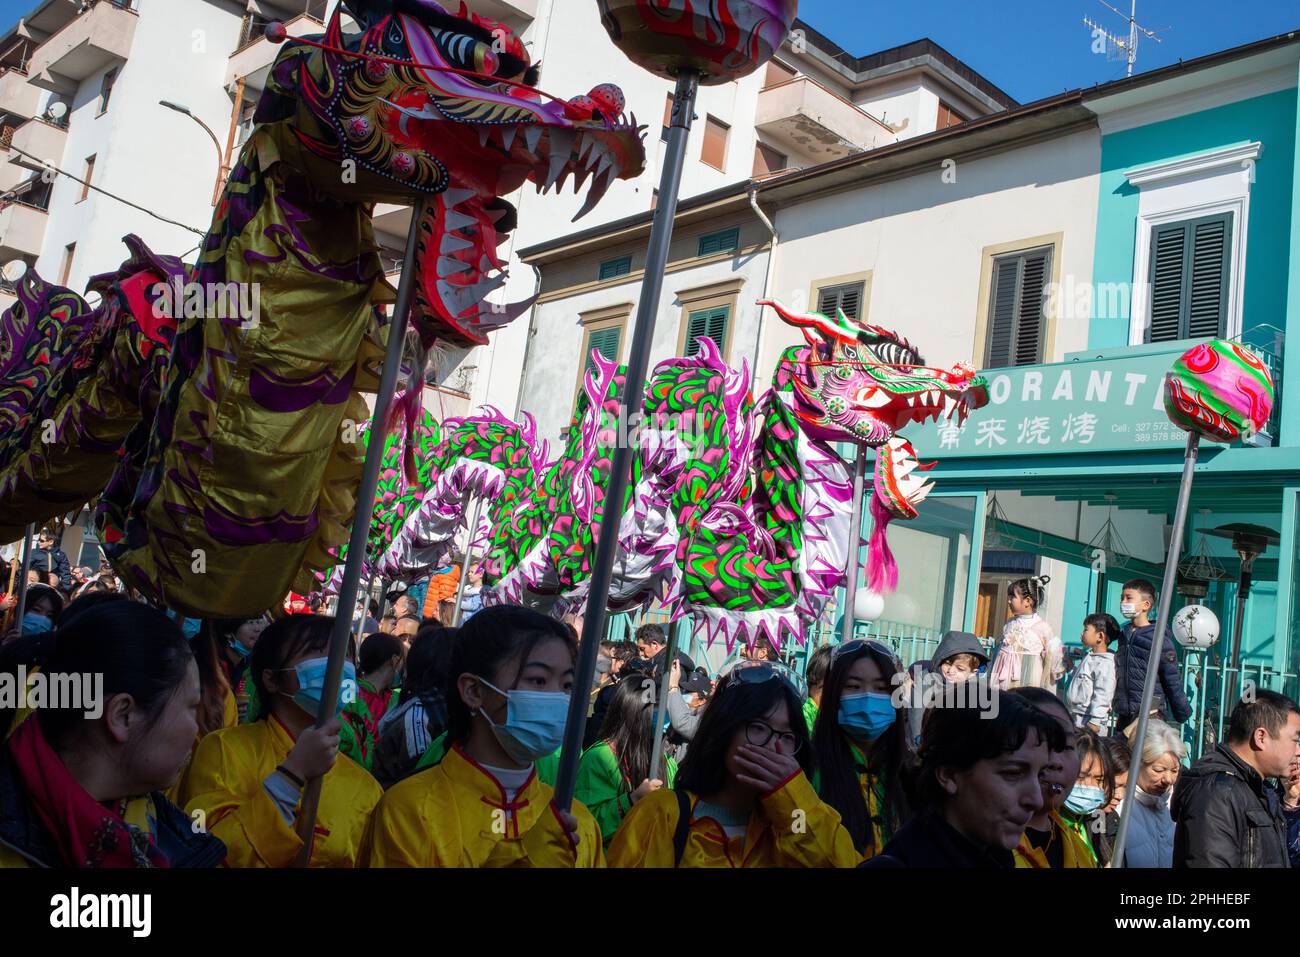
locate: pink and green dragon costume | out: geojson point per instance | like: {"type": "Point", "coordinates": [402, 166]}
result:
{"type": "Point", "coordinates": [738, 514]}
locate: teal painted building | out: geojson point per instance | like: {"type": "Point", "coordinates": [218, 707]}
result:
{"type": "Point", "coordinates": [1073, 468]}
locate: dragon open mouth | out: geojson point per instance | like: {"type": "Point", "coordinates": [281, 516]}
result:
{"type": "Point", "coordinates": [501, 156]}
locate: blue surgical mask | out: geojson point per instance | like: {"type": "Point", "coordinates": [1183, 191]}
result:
{"type": "Point", "coordinates": [241, 649]}
{"type": "Point", "coordinates": [34, 624]}
{"type": "Point", "coordinates": [311, 684]}
{"type": "Point", "coordinates": [1085, 798]}
{"type": "Point", "coordinates": [191, 628]}
{"type": "Point", "coordinates": [534, 725]}
{"type": "Point", "coordinates": [866, 716]}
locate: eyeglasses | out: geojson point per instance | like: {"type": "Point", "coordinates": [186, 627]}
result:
{"type": "Point", "coordinates": [750, 671]}
{"type": "Point", "coordinates": [759, 733]}
{"type": "Point", "coordinates": [858, 644]}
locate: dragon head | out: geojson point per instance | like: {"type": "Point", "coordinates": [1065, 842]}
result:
{"type": "Point", "coordinates": [423, 101]}
{"type": "Point", "coordinates": [855, 382]}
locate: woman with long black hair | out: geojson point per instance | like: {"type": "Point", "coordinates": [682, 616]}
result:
{"type": "Point", "coordinates": [614, 773]}
{"type": "Point", "coordinates": [860, 742]}
{"type": "Point", "coordinates": [483, 804]}
{"type": "Point", "coordinates": [81, 784]}
{"type": "Point", "coordinates": [742, 797]}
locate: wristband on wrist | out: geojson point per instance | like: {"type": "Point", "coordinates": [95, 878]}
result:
{"type": "Point", "coordinates": [299, 782]}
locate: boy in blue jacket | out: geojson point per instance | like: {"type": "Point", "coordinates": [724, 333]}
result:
{"type": "Point", "coordinates": [1137, 600]}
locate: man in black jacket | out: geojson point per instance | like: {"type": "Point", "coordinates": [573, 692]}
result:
{"type": "Point", "coordinates": [1137, 600]}
{"type": "Point", "coordinates": [48, 559]}
{"type": "Point", "coordinates": [1225, 812]}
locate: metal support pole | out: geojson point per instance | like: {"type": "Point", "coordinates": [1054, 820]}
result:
{"type": "Point", "coordinates": [855, 546]}
{"type": "Point", "coordinates": [1239, 623]}
{"type": "Point", "coordinates": [21, 608]}
{"type": "Point", "coordinates": [464, 565]}
{"type": "Point", "coordinates": [1158, 639]}
{"type": "Point", "coordinates": [593, 625]}
{"type": "Point", "coordinates": [342, 633]}
{"type": "Point", "coordinates": [661, 705]}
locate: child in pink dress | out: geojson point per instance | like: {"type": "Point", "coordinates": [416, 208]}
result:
{"type": "Point", "coordinates": [1030, 654]}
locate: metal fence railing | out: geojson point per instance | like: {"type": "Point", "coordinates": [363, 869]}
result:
{"type": "Point", "coordinates": [1212, 687]}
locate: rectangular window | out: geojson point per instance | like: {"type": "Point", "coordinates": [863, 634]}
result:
{"type": "Point", "coordinates": [1017, 313]}
{"type": "Point", "coordinates": [1190, 266]}
{"type": "Point", "coordinates": [721, 242]}
{"type": "Point", "coordinates": [768, 160]}
{"type": "Point", "coordinates": [948, 117]}
{"type": "Point", "coordinates": [605, 341]}
{"type": "Point", "coordinates": [616, 267]}
{"type": "Point", "coordinates": [710, 323]}
{"type": "Point", "coordinates": [106, 90]}
{"type": "Point", "coordinates": [668, 117]}
{"type": "Point", "coordinates": [714, 150]}
{"type": "Point", "coordinates": [777, 73]}
{"type": "Point", "coordinates": [69, 251]}
{"type": "Point", "coordinates": [846, 297]}
{"type": "Point", "coordinates": [86, 178]}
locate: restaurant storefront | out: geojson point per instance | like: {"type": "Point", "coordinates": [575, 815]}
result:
{"type": "Point", "coordinates": [1072, 470]}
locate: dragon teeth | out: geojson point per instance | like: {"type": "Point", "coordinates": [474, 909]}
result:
{"type": "Point", "coordinates": [507, 136]}
{"type": "Point", "coordinates": [532, 134]}
{"type": "Point", "coordinates": [483, 133]}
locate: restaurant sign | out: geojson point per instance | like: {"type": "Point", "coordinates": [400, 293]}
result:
{"type": "Point", "coordinates": [1086, 405]}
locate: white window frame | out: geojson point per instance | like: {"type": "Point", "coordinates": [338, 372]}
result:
{"type": "Point", "coordinates": [1217, 181]}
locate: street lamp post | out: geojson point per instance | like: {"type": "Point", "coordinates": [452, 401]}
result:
{"type": "Point", "coordinates": [221, 160]}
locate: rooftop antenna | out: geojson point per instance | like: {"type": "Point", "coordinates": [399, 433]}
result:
{"type": "Point", "coordinates": [1128, 44]}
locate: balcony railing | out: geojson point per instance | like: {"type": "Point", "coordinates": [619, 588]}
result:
{"type": "Point", "coordinates": [805, 118]}
{"type": "Point", "coordinates": [254, 25]}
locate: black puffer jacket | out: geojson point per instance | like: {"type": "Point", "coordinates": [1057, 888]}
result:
{"type": "Point", "coordinates": [1226, 815]}
{"type": "Point", "coordinates": [23, 831]}
{"type": "Point", "coordinates": [1131, 657]}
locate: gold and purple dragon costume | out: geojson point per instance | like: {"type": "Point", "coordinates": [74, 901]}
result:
{"type": "Point", "coordinates": [220, 440]}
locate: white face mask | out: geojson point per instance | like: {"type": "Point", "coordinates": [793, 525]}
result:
{"type": "Point", "coordinates": [1128, 609]}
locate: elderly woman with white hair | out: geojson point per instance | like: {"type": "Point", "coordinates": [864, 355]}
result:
{"type": "Point", "coordinates": [1151, 834]}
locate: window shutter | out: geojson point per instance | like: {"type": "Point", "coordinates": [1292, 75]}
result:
{"type": "Point", "coordinates": [1017, 320]}
{"type": "Point", "coordinates": [721, 242]}
{"type": "Point", "coordinates": [707, 322]}
{"type": "Point", "coordinates": [1002, 313]}
{"type": "Point", "coordinates": [1189, 271]}
{"type": "Point", "coordinates": [1029, 325]}
{"type": "Point", "coordinates": [1168, 244]}
{"type": "Point", "coordinates": [714, 150]}
{"type": "Point", "coordinates": [777, 73]}
{"type": "Point", "coordinates": [1207, 310]}
{"type": "Point", "coordinates": [606, 342]}
{"type": "Point", "coordinates": [768, 160]}
{"type": "Point", "coordinates": [611, 268]}
{"type": "Point", "coordinates": [847, 298]}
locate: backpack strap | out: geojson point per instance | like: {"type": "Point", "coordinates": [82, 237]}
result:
{"type": "Point", "coordinates": [683, 830]}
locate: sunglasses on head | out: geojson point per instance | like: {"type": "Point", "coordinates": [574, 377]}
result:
{"type": "Point", "coordinates": [858, 644]}
{"type": "Point", "coordinates": [752, 672]}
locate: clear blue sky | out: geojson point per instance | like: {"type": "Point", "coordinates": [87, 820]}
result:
{"type": "Point", "coordinates": [1037, 48]}
{"type": "Point", "coordinates": [1030, 48]}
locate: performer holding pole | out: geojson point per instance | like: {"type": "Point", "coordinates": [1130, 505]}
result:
{"type": "Point", "coordinates": [361, 524]}
{"type": "Point", "coordinates": [659, 47]}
